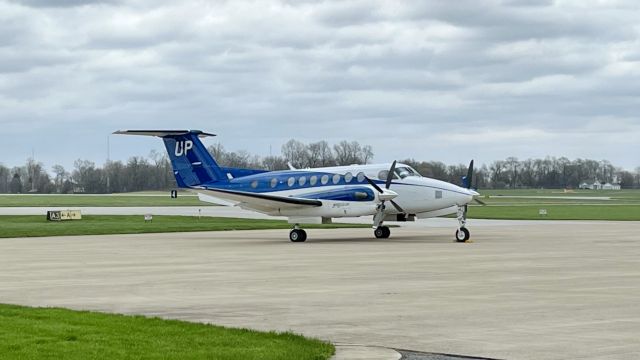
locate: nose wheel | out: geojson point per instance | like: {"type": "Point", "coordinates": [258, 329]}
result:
{"type": "Point", "coordinates": [462, 235]}
{"type": "Point", "coordinates": [382, 232]}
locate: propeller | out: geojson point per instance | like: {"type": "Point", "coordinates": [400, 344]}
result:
{"type": "Point", "coordinates": [385, 195]}
{"type": "Point", "coordinates": [468, 180]}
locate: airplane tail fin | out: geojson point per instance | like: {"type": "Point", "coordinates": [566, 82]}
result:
{"type": "Point", "coordinates": [192, 164]}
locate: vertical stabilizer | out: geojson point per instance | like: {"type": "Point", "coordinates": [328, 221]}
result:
{"type": "Point", "coordinates": [192, 164]}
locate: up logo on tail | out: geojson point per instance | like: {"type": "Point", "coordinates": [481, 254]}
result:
{"type": "Point", "coordinates": [182, 147]}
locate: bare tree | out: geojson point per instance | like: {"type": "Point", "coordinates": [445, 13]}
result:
{"type": "Point", "coordinates": [366, 154]}
{"type": "Point", "coordinates": [296, 153]}
{"type": "Point", "coordinates": [347, 153]}
{"type": "Point", "coordinates": [61, 175]}
{"type": "Point", "coordinates": [511, 164]}
{"type": "Point", "coordinates": [319, 154]}
{"type": "Point", "coordinates": [217, 151]}
{"type": "Point", "coordinates": [273, 163]}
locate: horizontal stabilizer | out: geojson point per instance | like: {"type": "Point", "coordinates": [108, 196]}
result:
{"type": "Point", "coordinates": [163, 133]}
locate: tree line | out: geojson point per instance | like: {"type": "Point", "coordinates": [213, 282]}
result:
{"type": "Point", "coordinates": [154, 172]}
{"type": "Point", "coordinates": [550, 173]}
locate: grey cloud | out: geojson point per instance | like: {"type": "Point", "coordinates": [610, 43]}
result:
{"type": "Point", "coordinates": [347, 13]}
{"type": "Point", "coordinates": [429, 73]}
{"type": "Point", "coordinates": [62, 3]}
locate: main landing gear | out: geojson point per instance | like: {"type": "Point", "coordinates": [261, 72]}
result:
{"type": "Point", "coordinates": [382, 232]}
{"type": "Point", "coordinates": [462, 234]}
{"type": "Point", "coordinates": [297, 234]}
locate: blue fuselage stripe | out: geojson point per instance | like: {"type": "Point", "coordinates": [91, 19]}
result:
{"type": "Point", "coordinates": [279, 181]}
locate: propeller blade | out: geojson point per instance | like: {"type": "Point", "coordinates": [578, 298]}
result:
{"type": "Point", "coordinates": [375, 186]}
{"type": "Point", "coordinates": [390, 175]}
{"type": "Point", "coordinates": [469, 179]}
{"type": "Point", "coordinates": [398, 207]}
{"type": "Point", "coordinates": [480, 202]}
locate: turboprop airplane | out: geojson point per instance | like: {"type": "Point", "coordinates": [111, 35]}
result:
{"type": "Point", "coordinates": [315, 196]}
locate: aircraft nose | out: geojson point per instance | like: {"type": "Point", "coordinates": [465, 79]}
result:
{"type": "Point", "coordinates": [473, 193]}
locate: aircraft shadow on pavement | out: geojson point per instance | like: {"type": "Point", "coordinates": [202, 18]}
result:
{"type": "Point", "coordinates": [397, 240]}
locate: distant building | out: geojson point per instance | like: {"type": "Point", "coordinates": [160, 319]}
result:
{"type": "Point", "coordinates": [610, 186]}
{"type": "Point", "coordinates": [597, 185]}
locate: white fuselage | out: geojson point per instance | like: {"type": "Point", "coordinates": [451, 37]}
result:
{"type": "Point", "coordinates": [417, 195]}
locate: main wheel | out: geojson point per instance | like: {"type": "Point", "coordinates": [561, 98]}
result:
{"type": "Point", "coordinates": [462, 235]}
{"type": "Point", "coordinates": [382, 232]}
{"type": "Point", "coordinates": [298, 235]}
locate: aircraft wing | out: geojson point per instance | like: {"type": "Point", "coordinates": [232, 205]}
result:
{"type": "Point", "coordinates": [260, 202]}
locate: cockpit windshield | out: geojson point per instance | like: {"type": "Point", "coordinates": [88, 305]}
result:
{"type": "Point", "coordinates": [404, 171]}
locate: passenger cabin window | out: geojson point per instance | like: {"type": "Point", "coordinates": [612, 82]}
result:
{"type": "Point", "coordinates": [274, 182]}
{"type": "Point", "coordinates": [336, 178]}
{"type": "Point", "coordinates": [302, 181]}
{"type": "Point", "coordinates": [291, 181]}
{"type": "Point", "coordinates": [382, 175]}
{"type": "Point", "coordinates": [438, 194]}
{"type": "Point", "coordinates": [348, 177]}
{"type": "Point", "coordinates": [325, 179]}
{"type": "Point", "coordinates": [313, 180]}
{"type": "Point", "coordinates": [361, 177]}
{"type": "Point", "coordinates": [254, 184]}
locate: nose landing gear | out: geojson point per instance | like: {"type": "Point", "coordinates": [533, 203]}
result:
{"type": "Point", "coordinates": [462, 234]}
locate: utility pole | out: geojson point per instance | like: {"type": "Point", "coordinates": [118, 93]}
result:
{"type": "Point", "coordinates": [108, 161]}
{"type": "Point", "coordinates": [33, 170]}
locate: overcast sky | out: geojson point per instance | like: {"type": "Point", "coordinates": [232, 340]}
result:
{"type": "Point", "coordinates": [433, 80]}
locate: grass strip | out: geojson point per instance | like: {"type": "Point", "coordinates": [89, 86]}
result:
{"type": "Point", "coordinates": [53, 333]}
{"type": "Point", "coordinates": [557, 212]}
{"type": "Point", "coordinates": [34, 225]}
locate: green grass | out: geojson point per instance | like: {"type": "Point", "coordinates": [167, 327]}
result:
{"type": "Point", "coordinates": [623, 205]}
{"type": "Point", "coordinates": [618, 195]}
{"type": "Point", "coordinates": [116, 200]}
{"type": "Point", "coordinates": [52, 333]}
{"type": "Point", "coordinates": [33, 226]}
{"type": "Point", "coordinates": [557, 212]}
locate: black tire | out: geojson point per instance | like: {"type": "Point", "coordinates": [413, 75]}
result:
{"type": "Point", "coordinates": [387, 232]}
{"type": "Point", "coordinates": [462, 235]}
{"type": "Point", "coordinates": [382, 232]}
{"type": "Point", "coordinates": [297, 235]}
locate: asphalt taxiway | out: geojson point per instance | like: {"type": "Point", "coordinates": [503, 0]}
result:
{"type": "Point", "coordinates": [520, 291]}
